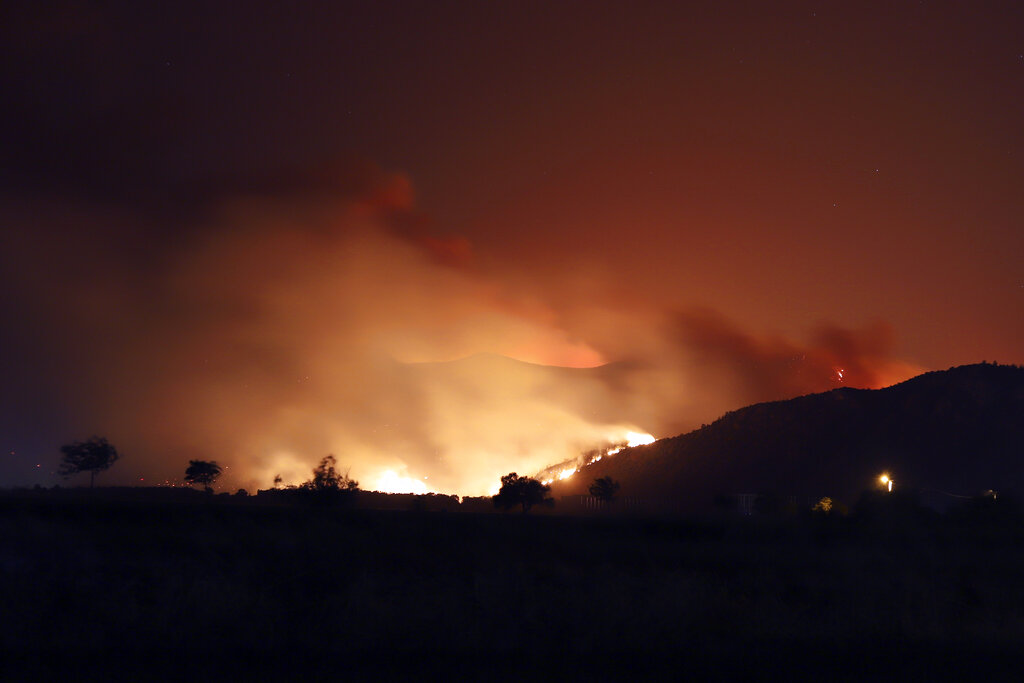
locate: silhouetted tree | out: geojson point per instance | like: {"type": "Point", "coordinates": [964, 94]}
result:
{"type": "Point", "coordinates": [92, 456]}
{"type": "Point", "coordinates": [327, 478]}
{"type": "Point", "coordinates": [203, 472]}
{"type": "Point", "coordinates": [604, 489]}
{"type": "Point", "coordinates": [523, 491]}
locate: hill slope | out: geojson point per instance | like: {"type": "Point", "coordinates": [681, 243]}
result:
{"type": "Point", "coordinates": [957, 431]}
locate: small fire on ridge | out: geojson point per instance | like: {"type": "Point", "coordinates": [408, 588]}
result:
{"type": "Point", "coordinates": [564, 470]}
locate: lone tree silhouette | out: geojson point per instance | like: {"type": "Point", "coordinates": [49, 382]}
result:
{"type": "Point", "coordinates": [604, 489]}
{"type": "Point", "coordinates": [523, 491]}
{"type": "Point", "coordinates": [203, 472]}
{"type": "Point", "coordinates": [327, 478]}
{"type": "Point", "coordinates": [92, 456]}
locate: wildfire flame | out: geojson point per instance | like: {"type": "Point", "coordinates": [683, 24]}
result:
{"type": "Point", "coordinates": [634, 439]}
{"type": "Point", "coordinates": [564, 470]}
{"type": "Point", "coordinates": [390, 481]}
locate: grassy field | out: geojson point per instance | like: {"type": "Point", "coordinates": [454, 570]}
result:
{"type": "Point", "coordinates": [102, 590]}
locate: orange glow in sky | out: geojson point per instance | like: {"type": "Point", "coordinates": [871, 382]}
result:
{"type": "Point", "coordinates": [547, 227]}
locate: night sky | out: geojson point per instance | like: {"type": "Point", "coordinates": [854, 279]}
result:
{"type": "Point", "coordinates": [260, 235]}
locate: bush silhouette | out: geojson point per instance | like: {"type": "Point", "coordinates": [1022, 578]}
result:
{"type": "Point", "coordinates": [203, 472]}
{"type": "Point", "coordinates": [604, 489]}
{"type": "Point", "coordinates": [329, 486]}
{"type": "Point", "coordinates": [522, 491]}
{"type": "Point", "coordinates": [92, 456]}
{"type": "Point", "coordinates": [327, 478]}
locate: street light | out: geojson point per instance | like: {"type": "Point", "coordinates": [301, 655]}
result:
{"type": "Point", "coordinates": [886, 481]}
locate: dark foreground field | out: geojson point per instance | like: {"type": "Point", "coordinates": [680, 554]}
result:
{"type": "Point", "coordinates": [236, 591]}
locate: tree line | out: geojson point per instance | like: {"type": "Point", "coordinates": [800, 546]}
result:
{"type": "Point", "coordinates": [96, 455]}
{"type": "Point", "coordinates": [527, 492]}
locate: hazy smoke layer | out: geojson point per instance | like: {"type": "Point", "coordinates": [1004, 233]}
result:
{"type": "Point", "coordinates": [266, 332]}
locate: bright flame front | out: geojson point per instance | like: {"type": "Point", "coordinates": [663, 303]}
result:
{"type": "Point", "coordinates": [624, 439]}
{"type": "Point", "coordinates": [391, 482]}
{"type": "Point", "coordinates": [634, 439]}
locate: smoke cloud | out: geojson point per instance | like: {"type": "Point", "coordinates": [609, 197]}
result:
{"type": "Point", "coordinates": [266, 330]}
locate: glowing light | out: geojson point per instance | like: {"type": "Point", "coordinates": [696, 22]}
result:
{"type": "Point", "coordinates": [566, 473]}
{"type": "Point", "coordinates": [839, 374]}
{"type": "Point", "coordinates": [886, 481]}
{"type": "Point", "coordinates": [390, 482]}
{"type": "Point", "coordinates": [634, 439]}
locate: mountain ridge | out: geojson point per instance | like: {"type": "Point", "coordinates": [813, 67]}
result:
{"type": "Point", "coordinates": [960, 430]}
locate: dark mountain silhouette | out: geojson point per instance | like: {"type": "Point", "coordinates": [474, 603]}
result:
{"type": "Point", "coordinates": [943, 434]}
